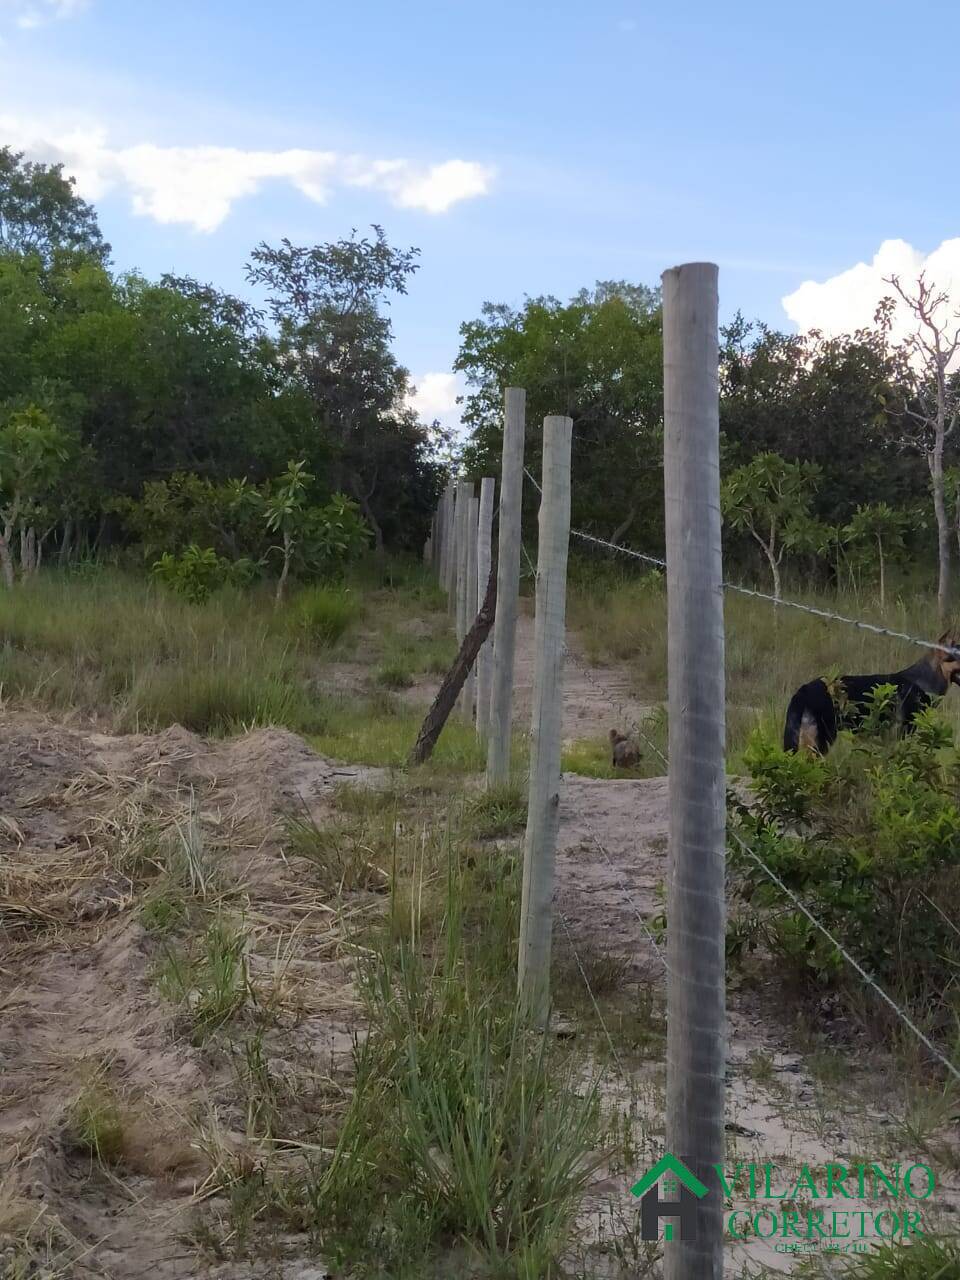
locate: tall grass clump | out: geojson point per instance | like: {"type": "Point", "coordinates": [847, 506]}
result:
{"type": "Point", "coordinates": [324, 614]}
{"type": "Point", "coordinates": [465, 1129]}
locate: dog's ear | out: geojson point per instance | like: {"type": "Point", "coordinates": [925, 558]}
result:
{"type": "Point", "coordinates": [949, 640]}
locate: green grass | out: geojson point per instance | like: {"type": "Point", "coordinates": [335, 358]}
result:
{"type": "Point", "coordinates": [121, 644]}
{"type": "Point", "coordinates": [501, 811]}
{"type": "Point", "coordinates": [462, 1128]}
{"type": "Point", "coordinates": [354, 853]}
{"type": "Point", "coordinates": [394, 674]}
{"type": "Point", "coordinates": [94, 1123]}
{"type": "Point", "coordinates": [324, 615]}
{"type": "Point", "coordinates": [209, 981]}
{"type": "Point", "coordinates": [381, 730]}
{"type": "Point", "coordinates": [928, 1258]}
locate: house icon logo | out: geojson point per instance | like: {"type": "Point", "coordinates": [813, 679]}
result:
{"type": "Point", "coordinates": [677, 1181]}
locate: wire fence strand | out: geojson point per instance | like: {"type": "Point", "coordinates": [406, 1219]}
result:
{"type": "Point", "coordinates": [779, 602]}
{"type": "Point", "coordinates": [851, 960]}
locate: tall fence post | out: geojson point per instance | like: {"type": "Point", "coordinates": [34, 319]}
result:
{"type": "Point", "coordinates": [469, 693]}
{"type": "Point", "coordinates": [508, 588]}
{"type": "Point", "coordinates": [443, 534]}
{"type": "Point", "coordinates": [536, 909]}
{"type": "Point", "coordinates": [453, 556]}
{"type": "Point", "coordinates": [695, 899]}
{"type": "Point", "coordinates": [484, 554]}
{"type": "Point", "coordinates": [464, 496]}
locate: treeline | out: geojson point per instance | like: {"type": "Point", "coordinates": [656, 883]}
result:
{"type": "Point", "coordinates": [225, 441]}
{"type": "Point", "coordinates": [179, 416]}
{"type": "Point", "coordinates": [826, 467]}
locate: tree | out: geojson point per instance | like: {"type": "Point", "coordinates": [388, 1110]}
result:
{"type": "Point", "coordinates": [932, 407]}
{"type": "Point", "coordinates": [284, 512]}
{"type": "Point", "coordinates": [33, 452]}
{"type": "Point", "coordinates": [814, 399]}
{"type": "Point", "coordinates": [598, 358]}
{"type": "Point", "coordinates": [769, 498]}
{"type": "Point", "coordinates": [40, 211]}
{"type": "Point", "coordinates": [878, 523]}
{"type": "Point", "coordinates": [327, 301]}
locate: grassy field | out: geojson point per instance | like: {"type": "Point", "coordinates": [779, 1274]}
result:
{"type": "Point", "coordinates": [620, 617]}
{"type": "Point", "coordinates": [452, 1141]}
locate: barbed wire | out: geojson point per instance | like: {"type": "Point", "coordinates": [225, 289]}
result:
{"type": "Point", "coordinates": [827, 615]}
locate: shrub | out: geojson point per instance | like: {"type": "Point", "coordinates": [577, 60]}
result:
{"type": "Point", "coordinates": [197, 571]}
{"type": "Point", "coordinates": [863, 837]}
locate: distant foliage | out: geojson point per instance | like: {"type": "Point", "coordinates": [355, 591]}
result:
{"type": "Point", "coordinates": [200, 529]}
{"type": "Point", "coordinates": [179, 385]}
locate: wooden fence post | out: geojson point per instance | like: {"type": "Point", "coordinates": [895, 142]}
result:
{"type": "Point", "coordinates": [484, 554]}
{"type": "Point", "coordinates": [468, 697]}
{"type": "Point", "coordinates": [536, 910]}
{"type": "Point", "coordinates": [695, 643]}
{"type": "Point", "coordinates": [508, 588]}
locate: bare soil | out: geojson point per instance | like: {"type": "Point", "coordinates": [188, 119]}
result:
{"type": "Point", "coordinates": [78, 1001]}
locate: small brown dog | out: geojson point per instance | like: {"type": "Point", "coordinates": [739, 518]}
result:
{"type": "Point", "coordinates": [625, 752]}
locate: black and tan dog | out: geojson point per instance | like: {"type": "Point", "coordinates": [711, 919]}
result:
{"type": "Point", "coordinates": [814, 716]}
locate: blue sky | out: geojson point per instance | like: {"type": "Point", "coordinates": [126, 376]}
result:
{"type": "Point", "coordinates": [524, 148]}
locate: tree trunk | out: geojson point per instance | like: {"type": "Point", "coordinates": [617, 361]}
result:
{"type": "Point", "coordinates": [63, 556]}
{"type": "Point", "coordinates": [6, 559]}
{"type": "Point", "coordinates": [371, 520]}
{"type": "Point", "coordinates": [774, 563]}
{"type": "Point", "coordinates": [282, 580]}
{"type": "Point", "coordinates": [935, 460]}
{"type": "Point", "coordinates": [28, 551]}
{"type": "Point", "coordinates": [622, 528]}
{"type": "Point", "coordinates": [455, 678]}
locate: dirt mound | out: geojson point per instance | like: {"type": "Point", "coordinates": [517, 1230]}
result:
{"type": "Point", "coordinates": [88, 824]}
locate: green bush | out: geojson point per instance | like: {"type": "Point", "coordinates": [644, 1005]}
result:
{"type": "Point", "coordinates": [197, 571]}
{"type": "Point", "coordinates": [868, 838]}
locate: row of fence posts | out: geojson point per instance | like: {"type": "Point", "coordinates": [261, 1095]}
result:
{"type": "Point", "coordinates": [459, 550]}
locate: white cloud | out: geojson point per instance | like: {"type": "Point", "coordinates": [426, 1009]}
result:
{"type": "Point", "coordinates": [848, 301]}
{"type": "Point", "coordinates": [441, 186]}
{"type": "Point", "coordinates": [198, 185]}
{"type": "Point", "coordinates": [435, 397]}
{"type": "Point", "coordinates": [27, 14]}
